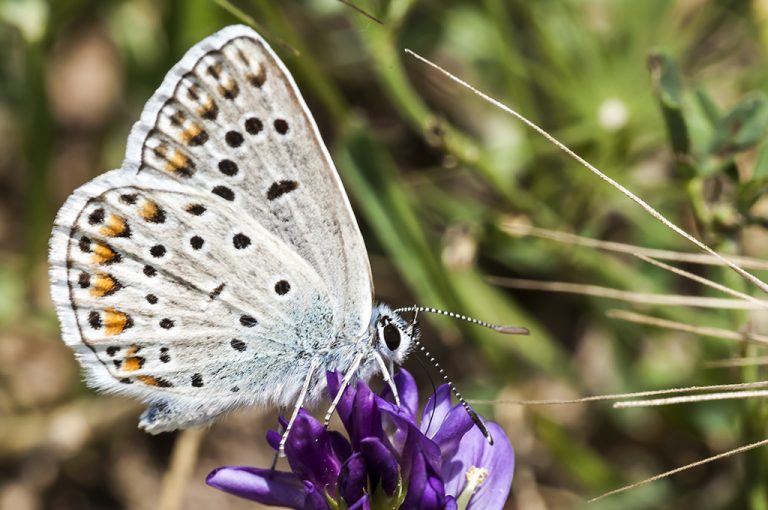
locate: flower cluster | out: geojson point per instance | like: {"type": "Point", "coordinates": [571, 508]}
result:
{"type": "Point", "coordinates": [389, 460]}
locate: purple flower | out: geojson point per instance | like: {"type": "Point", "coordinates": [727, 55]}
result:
{"type": "Point", "coordinates": [389, 459]}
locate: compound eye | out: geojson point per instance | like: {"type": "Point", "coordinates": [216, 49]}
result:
{"type": "Point", "coordinates": [391, 336]}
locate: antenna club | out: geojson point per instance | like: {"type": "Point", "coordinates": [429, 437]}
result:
{"type": "Point", "coordinates": [512, 330]}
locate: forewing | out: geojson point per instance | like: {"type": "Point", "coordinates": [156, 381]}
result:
{"type": "Point", "coordinates": [223, 254]}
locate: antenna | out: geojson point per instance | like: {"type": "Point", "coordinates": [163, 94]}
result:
{"type": "Point", "coordinates": [507, 330]}
{"type": "Point", "coordinates": [468, 408]}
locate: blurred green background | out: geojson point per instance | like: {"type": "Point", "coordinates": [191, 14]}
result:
{"type": "Point", "coordinates": [666, 97]}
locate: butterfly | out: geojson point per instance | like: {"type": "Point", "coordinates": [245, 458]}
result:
{"type": "Point", "coordinates": [221, 265]}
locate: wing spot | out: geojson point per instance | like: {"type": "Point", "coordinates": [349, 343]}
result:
{"type": "Point", "coordinates": [164, 356]}
{"type": "Point", "coordinates": [257, 79]}
{"type": "Point", "coordinates": [224, 192]}
{"type": "Point", "coordinates": [248, 321]}
{"type": "Point", "coordinates": [253, 125]}
{"type": "Point", "coordinates": [197, 380]}
{"type": "Point", "coordinates": [228, 167]}
{"type": "Point", "coordinates": [104, 254]}
{"type": "Point", "coordinates": [281, 126]}
{"type": "Point", "coordinates": [96, 216]}
{"type": "Point", "coordinates": [282, 287]}
{"type": "Point", "coordinates": [152, 212]}
{"type": "Point", "coordinates": [151, 299]}
{"type": "Point", "coordinates": [133, 363]}
{"type": "Point", "coordinates": [280, 188]}
{"type": "Point", "coordinates": [235, 389]}
{"type": "Point", "coordinates": [234, 139]}
{"type": "Point", "coordinates": [154, 381]}
{"type": "Point", "coordinates": [194, 135]}
{"type": "Point", "coordinates": [115, 321]}
{"type": "Point", "coordinates": [149, 271]}
{"type": "Point", "coordinates": [105, 285]}
{"type": "Point", "coordinates": [94, 320]}
{"type": "Point", "coordinates": [157, 251]}
{"type": "Point", "coordinates": [208, 110]}
{"type": "Point", "coordinates": [230, 90]}
{"type": "Point", "coordinates": [84, 280]}
{"type": "Point", "coordinates": [129, 199]}
{"type": "Point", "coordinates": [237, 344]}
{"type": "Point", "coordinates": [166, 323]}
{"type": "Point", "coordinates": [196, 242]}
{"type": "Point", "coordinates": [116, 226]}
{"type": "Point", "coordinates": [195, 209]}
{"type": "Point", "coordinates": [112, 350]}
{"type": "Point", "coordinates": [241, 241]}
{"type": "Point", "coordinates": [85, 244]}
{"type": "Point", "coordinates": [215, 292]}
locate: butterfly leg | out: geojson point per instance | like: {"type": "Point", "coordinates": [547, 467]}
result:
{"type": "Point", "coordinates": [299, 401]}
{"type": "Point", "coordinates": [387, 377]}
{"type": "Point", "coordinates": [344, 383]}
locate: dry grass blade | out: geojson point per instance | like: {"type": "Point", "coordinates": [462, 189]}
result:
{"type": "Point", "coordinates": [687, 399]}
{"type": "Point", "coordinates": [183, 461]}
{"type": "Point", "coordinates": [628, 296]}
{"type": "Point", "coordinates": [737, 362]}
{"type": "Point", "coordinates": [704, 281]}
{"type": "Point", "coordinates": [692, 465]}
{"type": "Point", "coordinates": [617, 396]}
{"type": "Point", "coordinates": [514, 227]}
{"type": "Point", "coordinates": [725, 334]}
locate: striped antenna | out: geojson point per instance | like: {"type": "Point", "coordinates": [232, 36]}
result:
{"type": "Point", "coordinates": [507, 330]}
{"type": "Point", "coordinates": [468, 408]}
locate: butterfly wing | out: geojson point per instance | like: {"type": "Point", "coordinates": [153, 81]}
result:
{"type": "Point", "coordinates": [208, 271]}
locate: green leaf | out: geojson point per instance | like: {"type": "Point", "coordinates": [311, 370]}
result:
{"type": "Point", "coordinates": [742, 128]}
{"type": "Point", "coordinates": [668, 88]}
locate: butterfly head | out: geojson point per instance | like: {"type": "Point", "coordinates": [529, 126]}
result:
{"type": "Point", "coordinates": [394, 336]}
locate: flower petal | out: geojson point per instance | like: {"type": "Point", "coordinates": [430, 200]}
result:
{"type": "Point", "coordinates": [382, 464]}
{"type": "Point", "coordinates": [353, 479]}
{"type": "Point", "coordinates": [498, 459]}
{"type": "Point", "coordinates": [437, 409]}
{"type": "Point", "coordinates": [361, 504]}
{"type": "Point", "coordinates": [425, 488]}
{"type": "Point", "coordinates": [315, 499]}
{"type": "Point", "coordinates": [366, 418]}
{"type": "Point", "coordinates": [262, 485]}
{"type": "Point", "coordinates": [408, 392]}
{"type": "Point", "coordinates": [344, 407]}
{"type": "Point", "coordinates": [310, 454]}
{"type": "Point", "coordinates": [456, 423]}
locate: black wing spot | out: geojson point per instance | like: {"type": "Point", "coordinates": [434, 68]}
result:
{"type": "Point", "coordinates": [281, 126]}
{"type": "Point", "coordinates": [215, 292]}
{"type": "Point", "coordinates": [149, 271]}
{"type": "Point", "coordinates": [237, 344]}
{"type": "Point", "coordinates": [112, 350]}
{"type": "Point", "coordinates": [248, 321]}
{"type": "Point", "coordinates": [224, 192]}
{"type": "Point", "coordinates": [166, 323]}
{"type": "Point", "coordinates": [85, 244]}
{"type": "Point", "coordinates": [241, 241]}
{"type": "Point", "coordinates": [84, 280]}
{"type": "Point", "coordinates": [129, 198]}
{"type": "Point", "coordinates": [157, 251]}
{"type": "Point", "coordinates": [253, 125]}
{"type": "Point", "coordinates": [196, 242]}
{"type": "Point", "coordinates": [234, 139]}
{"type": "Point", "coordinates": [151, 299]}
{"type": "Point", "coordinates": [195, 209]}
{"type": "Point", "coordinates": [164, 356]}
{"type": "Point", "coordinates": [282, 287]}
{"type": "Point", "coordinates": [228, 167]}
{"type": "Point", "coordinates": [94, 319]}
{"type": "Point", "coordinates": [197, 380]}
{"type": "Point", "coordinates": [97, 216]}
{"type": "Point", "coordinates": [280, 188]}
